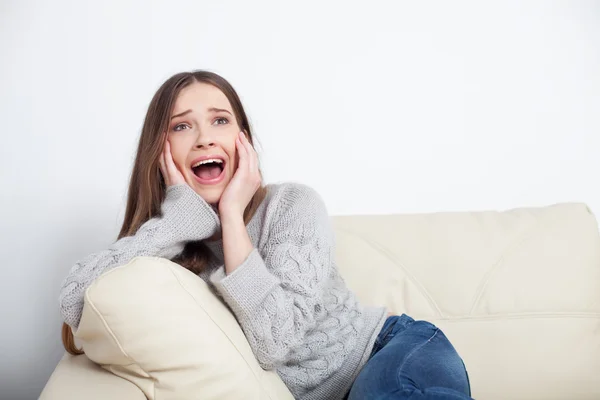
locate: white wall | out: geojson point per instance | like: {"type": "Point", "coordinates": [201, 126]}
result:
{"type": "Point", "coordinates": [381, 106]}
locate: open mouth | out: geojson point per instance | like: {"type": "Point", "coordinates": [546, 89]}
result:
{"type": "Point", "coordinates": [209, 170]}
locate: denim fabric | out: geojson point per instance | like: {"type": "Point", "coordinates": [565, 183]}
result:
{"type": "Point", "coordinates": [412, 360]}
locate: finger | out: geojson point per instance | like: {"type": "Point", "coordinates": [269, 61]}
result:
{"type": "Point", "coordinates": [242, 153]}
{"type": "Point", "coordinates": [251, 154]}
{"type": "Point", "coordinates": [163, 168]}
{"type": "Point", "coordinates": [169, 158]}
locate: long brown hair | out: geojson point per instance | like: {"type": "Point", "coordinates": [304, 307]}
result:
{"type": "Point", "coordinates": [146, 186]}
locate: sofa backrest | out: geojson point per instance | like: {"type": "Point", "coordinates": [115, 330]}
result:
{"type": "Point", "coordinates": [517, 292]}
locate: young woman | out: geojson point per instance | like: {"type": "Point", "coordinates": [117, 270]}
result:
{"type": "Point", "coordinates": [196, 197]}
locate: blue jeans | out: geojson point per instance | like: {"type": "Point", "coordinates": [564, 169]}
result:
{"type": "Point", "coordinates": [412, 360]}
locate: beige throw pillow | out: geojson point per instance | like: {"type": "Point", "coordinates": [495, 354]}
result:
{"type": "Point", "coordinates": [160, 326]}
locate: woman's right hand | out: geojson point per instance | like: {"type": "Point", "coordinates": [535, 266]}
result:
{"type": "Point", "coordinates": [173, 176]}
{"type": "Point", "coordinates": [169, 170]}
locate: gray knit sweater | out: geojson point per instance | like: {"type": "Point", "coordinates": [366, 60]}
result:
{"type": "Point", "coordinates": [288, 297]}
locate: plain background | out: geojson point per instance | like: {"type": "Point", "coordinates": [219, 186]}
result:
{"type": "Point", "coordinates": [383, 107]}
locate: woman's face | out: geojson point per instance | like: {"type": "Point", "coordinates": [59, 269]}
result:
{"type": "Point", "coordinates": [203, 124]}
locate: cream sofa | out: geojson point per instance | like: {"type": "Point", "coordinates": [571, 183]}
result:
{"type": "Point", "coordinates": [517, 292]}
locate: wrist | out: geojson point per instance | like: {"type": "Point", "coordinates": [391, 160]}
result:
{"type": "Point", "coordinates": [231, 218]}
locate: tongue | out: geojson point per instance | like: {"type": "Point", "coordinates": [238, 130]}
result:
{"type": "Point", "coordinates": [208, 172]}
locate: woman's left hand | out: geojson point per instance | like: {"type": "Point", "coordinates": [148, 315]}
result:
{"type": "Point", "coordinates": [245, 182]}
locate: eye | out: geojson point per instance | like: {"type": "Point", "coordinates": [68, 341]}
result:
{"type": "Point", "coordinates": [177, 126]}
{"type": "Point", "coordinates": [222, 119]}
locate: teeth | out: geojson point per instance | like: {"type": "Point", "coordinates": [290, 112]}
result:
{"type": "Point", "coordinates": [217, 160]}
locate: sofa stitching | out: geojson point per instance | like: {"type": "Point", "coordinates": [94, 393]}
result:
{"type": "Point", "coordinates": [396, 261]}
{"type": "Point", "coordinates": [169, 263]}
{"type": "Point", "coordinates": [110, 331]}
{"type": "Point", "coordinates": [515, 244]}
{"type": "Point", "coordinates": [105, 324]}
{"type": "Point", "coordinates": [525, 315]}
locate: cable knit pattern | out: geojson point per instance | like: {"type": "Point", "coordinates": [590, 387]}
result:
{"type": "Point", "coordinates": [292, 304]}
{"type": "Point", "coordinates": [186, 216]}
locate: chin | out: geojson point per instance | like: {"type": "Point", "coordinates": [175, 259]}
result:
{"type": "Point", "coordinates": [210, 197]}
{"type": "Point", "coordinates": [211, 194]}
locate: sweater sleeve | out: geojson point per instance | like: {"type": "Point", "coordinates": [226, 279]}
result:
{"type": "Point", "coordinates": [276, 296]}
{"type": "Point", "coordinates": [185, 216]}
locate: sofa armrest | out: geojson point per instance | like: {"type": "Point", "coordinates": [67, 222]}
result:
{"type": "Point", "coordinates": [76, 377]}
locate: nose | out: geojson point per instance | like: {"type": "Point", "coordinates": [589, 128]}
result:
{"type": "Point", "coordinates": [204, 141]}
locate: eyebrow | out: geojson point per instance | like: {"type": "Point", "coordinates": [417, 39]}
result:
{"type": "Point", "coordinates": [215, 109]}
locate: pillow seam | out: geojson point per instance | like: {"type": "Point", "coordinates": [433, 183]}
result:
{"type": "Point", "coordinates": [258, 380]}
{"type": "Point", "coordinates": [116, 341]}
